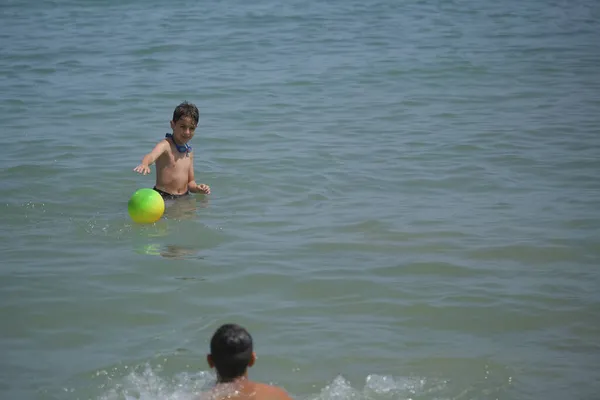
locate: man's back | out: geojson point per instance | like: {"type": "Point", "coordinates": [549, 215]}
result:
{"type": "Point", "coordinates": [245, 390]}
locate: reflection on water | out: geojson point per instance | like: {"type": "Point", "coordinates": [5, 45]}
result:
{"type": "Point", "coordinates": [182, 209]}
{"type": "Point", "coordinates": [185, 208]}
{"type": "Point", "coordinates": [179, 252]}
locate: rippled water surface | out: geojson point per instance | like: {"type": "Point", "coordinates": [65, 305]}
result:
{"type": "Point", "coordinates": [404, 199]}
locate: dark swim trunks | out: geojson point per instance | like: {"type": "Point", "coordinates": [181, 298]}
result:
{"type": "Point", "coordinates": [169, 196]}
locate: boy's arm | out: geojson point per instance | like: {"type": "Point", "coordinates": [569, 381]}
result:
{"type": "Point", "coordinates": [192, 185]}
{"type": "Point", "coordinates": [151, 157]}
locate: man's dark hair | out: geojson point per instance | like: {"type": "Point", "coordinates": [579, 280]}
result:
{"type": "Point", "coordinates": [231, 351]}
{"type": "Point", "coordinates": [186, 109]}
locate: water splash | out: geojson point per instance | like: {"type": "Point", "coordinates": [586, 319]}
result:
{"type": "Point", "coordinates": [382, 387]}
{"type": "Point", "coordinates": [148, 384]}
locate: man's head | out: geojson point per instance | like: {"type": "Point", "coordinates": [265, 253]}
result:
{"type": "Point", "coordinates": [184, 122]}
{"type": "Point", "coordinates": [231, 352]}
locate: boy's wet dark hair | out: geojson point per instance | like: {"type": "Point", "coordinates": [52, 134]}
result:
{"type": "Point", "coordinates": [231, 351]}
{"type": "Point", "coordinates": [186, 109]}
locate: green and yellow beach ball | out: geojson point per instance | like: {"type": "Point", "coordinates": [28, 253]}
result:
{"type": "Point", "coordinates": [146, 206]}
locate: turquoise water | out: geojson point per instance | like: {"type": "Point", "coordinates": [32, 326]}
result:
{"type": "Point", "coordinates": [404, 199]}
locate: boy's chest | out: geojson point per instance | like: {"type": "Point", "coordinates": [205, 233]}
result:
{"type": "Point", "coordinates": [177, 160]}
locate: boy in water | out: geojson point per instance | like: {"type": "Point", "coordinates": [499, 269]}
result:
{"type": "Point", "coordinates": [231, 353]}
{"type": "Point", "coordinates": [174, 158]}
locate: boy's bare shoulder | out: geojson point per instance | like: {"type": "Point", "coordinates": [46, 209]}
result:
{"type": "Point", "coordinates": [165, 144]}
{"type": "Point", "coordinates": [165, 147]}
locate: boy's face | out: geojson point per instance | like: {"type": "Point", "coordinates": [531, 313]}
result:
{"type": "Point", "coordinates": [183, 130]}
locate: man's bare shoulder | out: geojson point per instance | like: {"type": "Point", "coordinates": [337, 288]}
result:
{"type": "Point", "coordinates": [270, 392]}
{"type": "Point", "coordinates": [255, 391]}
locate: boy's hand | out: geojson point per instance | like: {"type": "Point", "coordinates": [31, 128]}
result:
{"type": "Point", "coordinates": [204, 188]}
{"type": "Point", "coordinates": [142, 169]}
